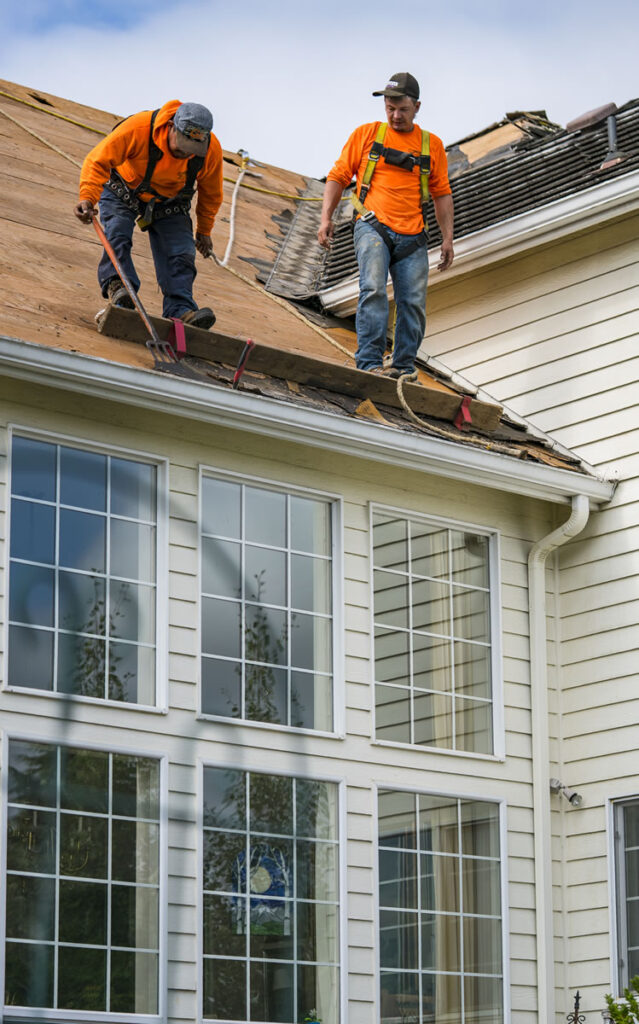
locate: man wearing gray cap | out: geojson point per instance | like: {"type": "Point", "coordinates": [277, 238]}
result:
{"type": "Point", "coordinates": [397, 166]}
{"type": "Point", "coordinates": [146, 170]}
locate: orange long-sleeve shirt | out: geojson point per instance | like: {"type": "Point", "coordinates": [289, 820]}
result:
{"type": "Point", "coordinates": [394, 194]}
{"type": "Point", "coordinates": [126, 149]}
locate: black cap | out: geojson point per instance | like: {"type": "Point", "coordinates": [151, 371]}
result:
{"type": "Point", "coordinates": [401, 84]}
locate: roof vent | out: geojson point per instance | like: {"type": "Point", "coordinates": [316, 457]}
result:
{"type": "Point", "coordinates": [592, 117]}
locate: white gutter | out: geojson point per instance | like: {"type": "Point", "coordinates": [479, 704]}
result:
{"type": "Point", "coordinates": [541, 751]}
{"type": "Point", "coordinates": [269, 417]}
{"type": "Point", "coordinates": [545, 224]}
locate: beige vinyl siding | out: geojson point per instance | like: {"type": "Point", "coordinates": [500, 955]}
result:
{"type": "Point", "coordinates": [555, 336]}
{"type": "Point", "coordinates": [187, 741]}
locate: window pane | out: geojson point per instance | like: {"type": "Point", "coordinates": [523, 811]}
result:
{"type": "Point", "coordinates": [471, 614]}
{"type": "Point", "coordinates": [135, 852]}
{"type": "Point", "coordinates": [30, 907]}
{"type": "Point", "coordinates": [392, 659]}
{"type": "Point", "coordinates": [271, 803]}
{"type": "Point", "coordinates": [221, 508]}
{"type": "Point", "coordinates": [632, 873]}
{"type": "Point", "coordinates": [438, 824]}
{"type": "Point", "coordinates": [392, 714]}
{"type": "Point", "coordinates": [483, 999]}
{"type": "Point", "coordinates": [390, 543]}
{"type": "Point", "coordinates": [221, 567]}
{"type": "Point", "coordinates": [474, 725]}
{"type": "Point", "coordinates": [482, 945]}
{"type": "Point", "coordinates": [84, 776]}
{"type": "Point", "coordinates": [631, 824]}
{"type": "Point", "coordinates": [470, 558]}
{"type": "Point", "coordinates": [265, 517]}
{"type": "Point", "coordinates": [82, 979]}
{"type": "Point", "coordinates": [265, 575]}
{"type": "Point", "coordinates": [396, 820]}
{"type": "Point", "coordinates": [429, 550]}
{"type": "Point", "coordinates": [32, 531]}
{"type": "Point", "coordinates": [398, 879]}
{"type": "Point", "coordinates": [441, 1000]}
{"type": "Point", "coordinates": [311, 701]}
{"type": "Point", "coordinates": [441, 949]}
{"type": "Point", "coordinates": [136, 786]}
{"type": "Point", "coordinates": [134, 982]}
{"type": "Point", "coordinates": [31, 841]}
{"type": "Point", "coordinates": [481, 880]}
{"type": "Point", "coordinates": [399, 997]}
{"type": "Point", "coordinates": [224, 990]}
{"type": "Point", "coordinates": [398, 942]}
{"type": "Point", "coordinates": [472, 670]}
{"type": "Point", "coordinates": [311, 584]}
{"type": "Point", "coordinates": [83, 846]}
{"type": "Point", "coordinates": [266, 694]}
{"type": "Point", "coordinates": [224, 798]}
{"type": "Point", "coordinates": [440, 883]}
{"type": "Point", "coordinates": [82, 541]}
{"type": "Point", "coordinates": [83, 913]}
{"type": "Point", "coordinates": [32, 773]}
{"type": "Point", "coordinates": [33, 468]}
{"type": "Point", "coordinates": [311, 642]}
{"type": "Point", "coordinates": [133, 550]}
{"type": "Point", "coordinates": [318, 989]}
{"type": "Point", "coordinates": [28, 974]}
{"type": "Point", "coordinates": [316, 809]}
{"type": "Point", "coordinates": [223, 859]}
{"type": "Point", "coordinates": [310, 526]}
{"type": "Point", "coordinates": [271, 991]}
{"type": "Point", "coordinates": [431, 606]}
{"type": "Point", "coordinates": [83, 479]}
{"type": "Point", "coordinates": [265, 635]}
{"type": "Point", "coordinates": [431, 663]}
{"type": "Point", "coordinates": [221, 627]}
{"type": "Point", "coordinates": [132, 673]}
{"type": "Point", "coordinates": [132, 489]}
{"type": "Point", "coordinates": [221, 926]}
{"type": "Point", "coordinates": [391, 599]}
{"type": "Point", "coordinates": [30, 658]}
{"type": "Point", "coordinates": [134, 916]}
{"type": "Point", "coordinates": [82, 603]}
{"type": "Point", "coordinates": [132, 611]}
{"type": "Point", "coordinates": [31, 594]}
{"type": "Point", "coordinates": [221, 687]}
{"type": "Point", "coordinates": [316, 871]}
{"type": "Point", "coordinates": [433, 720]}
{"type": "Point", "coordinates": [480, 828]}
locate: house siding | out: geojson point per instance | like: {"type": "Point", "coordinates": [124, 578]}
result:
{"type": "Point", "coordinates": [553, 335]}
{"type": "Point", "coordinates": [188, 741]}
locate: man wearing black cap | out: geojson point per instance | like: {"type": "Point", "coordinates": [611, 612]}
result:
{"type": "Point", "coordinates": [397, 166]}
{"type": "Point", "coordinates": [146, 169]}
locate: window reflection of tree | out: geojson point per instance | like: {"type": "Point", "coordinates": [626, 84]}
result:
{"type": "Point", "coordinates": [88, 670]}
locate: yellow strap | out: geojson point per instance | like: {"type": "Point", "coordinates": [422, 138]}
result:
{"type": "Point", "coordinates": [424, 172]}
{"type": "Point", "coordinates": [373, 158]}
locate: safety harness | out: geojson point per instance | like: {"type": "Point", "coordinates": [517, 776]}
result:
{"type": "Point", "coordinates": [407, 161]}
{"type": "Point", "coordinates": [159, 206]}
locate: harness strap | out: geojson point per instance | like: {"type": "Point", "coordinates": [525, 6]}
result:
{"type": "Point", "coordinates": [378, 149]}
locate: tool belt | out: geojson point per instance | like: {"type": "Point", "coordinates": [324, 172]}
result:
{"type": "Point", "coordinates": [418, 242]}
{"type": "Point", "coordinates": [150, 211]}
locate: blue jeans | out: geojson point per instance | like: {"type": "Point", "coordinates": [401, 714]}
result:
{"type": "Point", "coordinates": [410, 278]}
{"type": "Point", "coordinates": [172, 245]}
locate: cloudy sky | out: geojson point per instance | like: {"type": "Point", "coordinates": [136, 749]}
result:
{"type": "Point", "coordinates": [288, 81]}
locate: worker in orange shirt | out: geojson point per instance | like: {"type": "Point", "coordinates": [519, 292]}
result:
{"type": "Point", "coordinates": [397, 166]}
{"type": "Point", "coordinates": [147, 169]}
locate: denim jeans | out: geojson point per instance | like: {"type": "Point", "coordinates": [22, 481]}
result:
{"type": "Point", "coordinates": [173, 249]}
{"type": "Point", "coordinates": [409, 277]}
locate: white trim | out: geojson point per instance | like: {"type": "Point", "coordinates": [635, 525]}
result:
{"type": "Point", "coordinates": [161, 465]}
{"type": "Point", "coordinates": [91, 1016]}
{"type": "Point", "coordinates": [518, 234]}
{"type": "Point", "coordinates": [611, 844]}
{"type": "Point", "coordinates": [269, 417]}
{"type": "Point", "coordinates": [335, 503]}
{"type": "Point", "coordinates": [496, 653]}
{"type": "Point", "coordinates": [342, 889]}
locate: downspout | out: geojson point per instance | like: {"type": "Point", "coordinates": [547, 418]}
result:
{"type": "Point", "coordinates": [541, 751]}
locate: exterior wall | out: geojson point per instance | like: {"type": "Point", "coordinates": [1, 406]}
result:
{"type": "Point", "coordinates": [185, 739]}
{"type": "Point", "coordinates": [553, 335]}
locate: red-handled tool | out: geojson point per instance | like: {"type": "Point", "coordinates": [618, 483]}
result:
{"type": "Point", "coordinates": [241, 366]}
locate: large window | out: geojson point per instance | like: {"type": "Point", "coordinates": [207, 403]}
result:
{"type": "Point", "coordinates": [270, 875]}
{"type": "Point", "coordinates": [441, 957]}
{"type": "Point", "coordinates": [82, 584]}
{"type": "Point", "coordinates": [433, 649]}
{"type": "Point", "coordinates": [267, 605]}
{"type": "Point", "coordinates": [626, 827]}
{"type": "Point", "coordinates": [82, 881]}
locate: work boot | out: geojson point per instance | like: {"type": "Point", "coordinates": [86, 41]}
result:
{"type": "Point", "coordinates": [118, 295]}
{"type": "Point", "coordinates": [203, 318]}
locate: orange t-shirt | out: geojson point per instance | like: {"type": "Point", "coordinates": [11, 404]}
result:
{"type": "Point", "coordinates": [127, 149]}
{"type": "Point", "coordinates": [394, 193]}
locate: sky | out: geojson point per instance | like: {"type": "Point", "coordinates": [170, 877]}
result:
{"type": "Point", "coordinates": [289, 81]}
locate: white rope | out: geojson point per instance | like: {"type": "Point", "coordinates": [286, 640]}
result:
{"type": "Point", "coordinates": [229, 245]}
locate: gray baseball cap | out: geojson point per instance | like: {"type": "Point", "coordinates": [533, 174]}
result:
{"type": "Point", "coordinates": [401, 84]}
{"type": "Point", "coordinates": [193, 123]}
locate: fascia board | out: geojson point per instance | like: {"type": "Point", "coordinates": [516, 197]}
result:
{"type": "Point", "coordinates": [545, 224]}
{"type": "Point", "coordinates": [268, 417]}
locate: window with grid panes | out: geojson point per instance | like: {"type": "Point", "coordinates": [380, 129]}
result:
{"type": "Point", "coordinates": [267, 605]}
{"type": "Point", "coordinates": [433, 651]}
{"type": "Point", "coordinates": [441, 958]}
{"type": "Point", "coordinates": [270, 904]}
{"type": "Point", "coordinates": [82, 578]}
{"type": "Point", "coordinates": [82, 882]}
{"type": "Point", "coordinates": [626, 825]}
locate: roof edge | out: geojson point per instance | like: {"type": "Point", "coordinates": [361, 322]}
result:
{"type": "Point", "coordinates": [79, 373]}
{"type": "Point", "coordinates": [510, 237]}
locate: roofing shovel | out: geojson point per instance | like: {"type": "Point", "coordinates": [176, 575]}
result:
{"type": "Point", "coordinates": [164, 355]}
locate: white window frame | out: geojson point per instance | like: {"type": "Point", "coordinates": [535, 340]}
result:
{"type": "Point", "coordinates": [503, 862]}
{"type": "Point", "coordinates": [335, 503]}
{"type": "Point", "coordinates": [340, 783]}
{"type": "Point", "coordinates": [496, 658]}
{"type": "Point", "coordinates": [11, 1013]}
{"type": "Point", "coordinates": [617, 888]}
{"type": "Point", "coordinates": [161, 465]}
